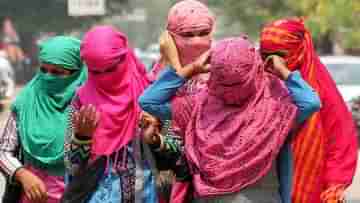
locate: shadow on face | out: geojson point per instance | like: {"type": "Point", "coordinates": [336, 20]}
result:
{"type": "Point", "coordinates": [55, 70]}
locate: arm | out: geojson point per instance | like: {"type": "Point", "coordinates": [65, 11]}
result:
{"type": "Point", "coordinates": [77, 149]}
{"type": "Point", "coordinates": [304, 97]}
{"type": "Point", "coordinates": [156, 98]}
{"type": "Point", "coordinates": [33, 187]}
{"type": "Point", "coordinates": [9, 145]}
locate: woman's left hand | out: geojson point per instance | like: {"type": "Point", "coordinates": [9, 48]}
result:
{"type": "Point", "coordinates": [151, 129]}
{"type": "Point", "coordinates": [200, 65]}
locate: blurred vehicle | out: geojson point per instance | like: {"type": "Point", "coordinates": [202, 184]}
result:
{"type": "Point", "coordinates": [7, 77]}
{"type": "Point", "coordinates": [153, 50]}
{"type": "Point", "coordinates": [346, 72]}
{"type": "Point", "coordinates": [148, 56]}
{"type": "Point", "coordinates": [355, 109]}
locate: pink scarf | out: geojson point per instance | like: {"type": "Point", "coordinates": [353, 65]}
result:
{"type": "Point", "coordinates": [116, 80]}
{"type": "Point", "coordinates": [189, 16]}
{"type": "Point", "coordinates": [234, 129]}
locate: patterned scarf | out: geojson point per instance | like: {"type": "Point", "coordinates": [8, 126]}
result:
{"type": "Point", "coordinates": [235, 127]}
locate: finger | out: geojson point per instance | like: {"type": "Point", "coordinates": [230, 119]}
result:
{"type": "Point", "coordinates": [29, 196]}
{"type": "Point", "coordinates": [81, 115]}
{"type": "Point", "coordinates": [206, 68]}
{"type": "Point", "coordinates": [268, 59]}
{"type": "Point", "coordinates": [90, 118]}
{"type": "Point", "coordinates": [36, 195]}
{"type": "Point", "coordinates": [93, 114]}
{"type": "Point", "coordinates": [204, 57]}
{"type": "Point", "coordinates": [75, 118]}
{"type": "Point", "coordinates": [82, 109]}
{"type": "Point", "coordinates": [98, 116]}
{"type": "Point", "coordinates": [282, 60]}
{"type": "Point", "coordinates": [87, 115]}
{"type": "Point", "coordinates": [43, 192]}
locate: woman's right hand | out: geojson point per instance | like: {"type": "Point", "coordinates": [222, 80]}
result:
{"type": "Point", "coordinates": [168, 50]}
{"type": "Point", "coordinates": [278, 65]}
{"type": "Point", "coordinates": [85, 121]}
{"type": "Point", "coordinates": [34, 188]}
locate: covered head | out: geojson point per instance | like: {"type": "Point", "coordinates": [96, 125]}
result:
{"type": "Point", "coordinates": [237, 71]}
{"type": "Point", "coordinates": [191, 23]}
{"type": "Point", "coordinates": [287, 38]}
{"type": "Point", "coordinates": [116, 80]}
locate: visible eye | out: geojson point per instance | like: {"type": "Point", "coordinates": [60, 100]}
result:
{"type": "Point", "coordinates": [44, 70]}
{"type": "Point", "coordinates": [201, 33]}
{"type": "Point", "coordinates": [204, 33]}
{"type": "Point", "coordinates": [109, 70]}
{"type": "Point", "coordinates": [187, 34]}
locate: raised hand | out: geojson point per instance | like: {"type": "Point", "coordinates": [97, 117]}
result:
{"type": "Point", "coordinates": [86, 120]}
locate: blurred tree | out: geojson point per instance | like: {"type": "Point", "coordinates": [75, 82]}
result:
{"type": "Point", "coordinates": [329, 20]}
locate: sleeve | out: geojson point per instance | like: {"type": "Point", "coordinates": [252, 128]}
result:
{"type": "Point", "coordinates": [303, 95]}
{"type": "Point", "coordinates": [156, 98]}
{"type": "Point", "coordinates": [77, 151]}
{"type": "Point", "coordinates": [9, 148]}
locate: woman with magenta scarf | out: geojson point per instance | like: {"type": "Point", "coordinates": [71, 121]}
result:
{"type": "Point", "coordinates": [234, 128]}
{"type": "Point", "coordinates": [105, 138]}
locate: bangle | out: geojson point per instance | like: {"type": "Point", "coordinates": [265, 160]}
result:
{"type": "Point", "coordinates": [81, 141]}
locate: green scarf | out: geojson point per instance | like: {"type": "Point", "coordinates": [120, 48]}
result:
{"type": "Point", "coordinates": [42, 106]}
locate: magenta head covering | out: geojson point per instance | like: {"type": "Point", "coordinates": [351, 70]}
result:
{"type": "Point", "coordinates": [237, 124]}
{"type": "Point", "coordinates": [116, 80]}
{"type": "Point", "coordinates": [186, 17]}
{"type": "Point", "coordinates": [231, 71]}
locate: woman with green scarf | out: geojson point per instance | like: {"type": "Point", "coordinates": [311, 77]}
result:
{"type": "Point", "coordinates": [37, 124]}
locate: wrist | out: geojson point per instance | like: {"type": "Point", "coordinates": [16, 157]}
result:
{"type": "Point", "coordinates": [285, 73]}
{"type": "Point", "coordinates": [81, 139]}
{"type": "Point", "coordinates": [186, 72]}
{"type": "Point", "coordinates": [20, 173]}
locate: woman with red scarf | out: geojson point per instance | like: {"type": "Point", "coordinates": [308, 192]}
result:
{"type": "Point", "coordinates": [324, 149]}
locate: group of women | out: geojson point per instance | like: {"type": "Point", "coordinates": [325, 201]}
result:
{"type": "Point", "coordinates": [232, 122]}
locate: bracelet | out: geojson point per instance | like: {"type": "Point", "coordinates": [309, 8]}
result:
{"type": "Point", "coordinates": [81, 141]}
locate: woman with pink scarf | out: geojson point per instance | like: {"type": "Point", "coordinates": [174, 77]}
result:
{"type": "Point", "coordinates": [105, 157]}
{"type": "Point", "coordinates": [234, 127]}
{"type": "Point", "coordinates": [191, 25]}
